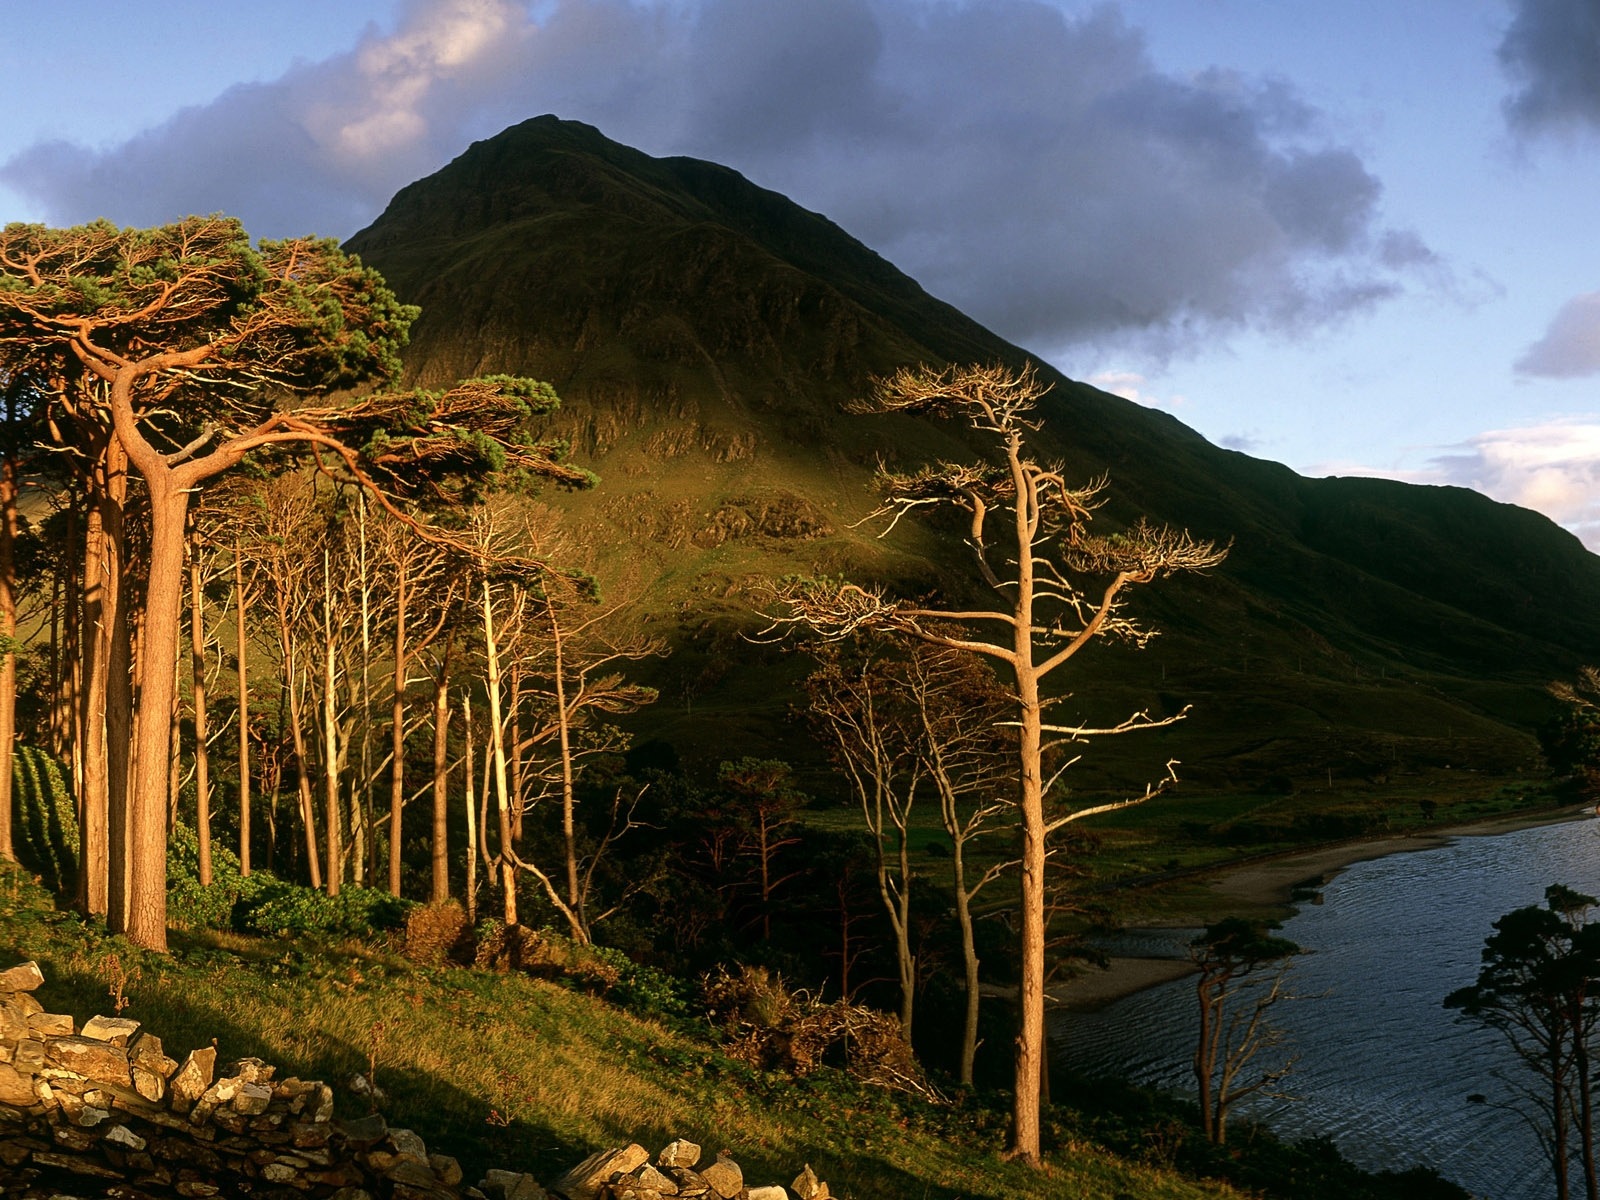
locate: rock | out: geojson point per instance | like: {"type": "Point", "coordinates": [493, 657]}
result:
{"type": "Point", "coordinates": [149, 1084]}
{"type": "Point", "coordinates": [446, 1169]}
{"type": "Point", "coordinates": [23, 978]}
{"type": "Point", "coordinates": [724, 1178]}
{"type": "Point", "coordinates": [16, 1089]}
{"type": "Point", "coordinates": [363, 1131]}
{"type": "Point", "coordinates": [408, 1145]}
{"type": "Point", "coordinates": [93, 1059]}
{"type": "Point", "coordinates": [121, 1135]}
{"type": "Point", "coordinates": [690, 1183]}
{"type": "Point", "coordinates": [512, 1185]}
{"type": "Point", "coordinates": [679, 1153]}
{"type": "Point", "coordinates": [43, 1024]}
{"type": "Point", "coordinates": [28, 1057]}
{"type": "Point", "coordinates": [807, 1187]}
{"type": "Point", "coordinates": [13, 1019]}
{"type": "Point", "coordinates": [770, 1192]}
{"type": "Point", "coordinates": [584, 1180]}
{"type": "Point", "coordinates": [653, 1180]}
{"type": "Point", "coordinates": [252, 1099]}
{"type": "Point", "coordinates": [192, 1079]}
{"type": "Point", "coordinates": [144, 1050]}
{"type": "Point", "coordinates": [250, 1070]}
{"type": "Point", "coordinates": [116, 1030]}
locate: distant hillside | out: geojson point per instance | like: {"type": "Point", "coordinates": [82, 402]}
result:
{"type": "Point", "coordinates": [703, 333]}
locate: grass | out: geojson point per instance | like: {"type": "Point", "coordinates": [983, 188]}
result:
{"type": "Point", "coordinates": [515, 1072]}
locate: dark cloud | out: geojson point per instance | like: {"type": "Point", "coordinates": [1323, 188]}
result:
{"type": "Point", "coordinates": [1552, 51]}
{"type": "Point", "coordinates": [1032, 167]}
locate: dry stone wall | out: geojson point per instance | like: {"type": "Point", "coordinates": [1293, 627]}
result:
{"type": "Point", "coordinates": [102, 1110]}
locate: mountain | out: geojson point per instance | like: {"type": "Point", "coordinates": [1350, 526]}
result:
{"type": "Point", "coordinates": [704, 332]}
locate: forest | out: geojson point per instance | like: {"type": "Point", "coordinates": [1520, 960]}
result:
{"type": "Point", "coordinates": [294, 645]}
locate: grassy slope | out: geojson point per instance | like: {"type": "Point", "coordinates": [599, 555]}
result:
{"type": "Point", "coordinates": [509, 1071]}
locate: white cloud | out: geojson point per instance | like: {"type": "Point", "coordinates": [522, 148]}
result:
{"type": "Point", "coordinates": [1552, 467]}
{"type": "Point", "coordinates": [1036, 169]}
{"type": "Point", "coordinates": [1570, 348]}
{"type": "Point", "coordinates": [1131, 385]}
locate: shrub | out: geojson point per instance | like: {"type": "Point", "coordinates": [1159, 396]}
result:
{"type": "Point", "coordinates": [46, 826]}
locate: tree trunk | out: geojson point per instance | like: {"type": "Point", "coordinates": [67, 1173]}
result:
{"type": "Point", "coordinates": [397, 716]}
{"type": "Point", "coordinates": [197, 684]}
{"type": "Point", "coordinates": [472, 816]}
{"type": "Point", "coordinates": [969, 962]}
{"type": "Point", "coordinates": [243, 659]}
{"type": "Point", "coordinates": [146, 901]}
{"type": "Point", "coordinates": [302, 772]}
{"type": "Point", "coordinates": [120, 749]}
{"type": "Point", "coordinates": [497, 736]}
{"type": "Point", "coordinates": [8, 654]}
{"type": "Point", "coordinates": [441, 780]}
{"type": "Point", "coordinates": [99, 591]}
{"type": "Point", "coordinates": [330, 740]}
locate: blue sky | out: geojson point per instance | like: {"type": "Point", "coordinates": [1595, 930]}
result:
{"type": "Point", "coordinates": [1351, 236]}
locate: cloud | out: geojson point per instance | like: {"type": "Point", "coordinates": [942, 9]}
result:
{"type": "Point", "coordinates": [1570, 348]}
{"type": "Point", "coordinates": [1131, 385]}
{"type": "Point", "coordinates": [1033, 167]}
{"type": "Point", "coordinates": [1552, 467]}
{"type": "Point", "coordinates": [1551, 49]}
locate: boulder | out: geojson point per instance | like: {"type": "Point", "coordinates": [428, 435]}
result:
{"type": "Point", "coordinates": [679, 1153]}
{"type": "Point", "coordinates": [16, 1089]}
{"type": "Point", "coordinates": [724, 1178]}
{"type": "Point", "coordinates": [806, 1186]}
{"type": "Point", "coordinates": [584, 1180]}
{"type": "Point", "coordinates": [192, 1080]}
{"type": "Point", "coordinates": [91, 1058]}
{"type": "Point", "coordinates": [116, 1030]}
{"type": "Point", "coordinates": [25, 977]}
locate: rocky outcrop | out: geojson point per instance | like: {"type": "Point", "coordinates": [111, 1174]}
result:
{"type": "Point", "coordinates": [104, 1110]}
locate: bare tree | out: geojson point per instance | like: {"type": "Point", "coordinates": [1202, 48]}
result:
{"type": "Point", "coordinates": [1236, 992]}
{"type": "Point", "coordinates": [1060, 587]}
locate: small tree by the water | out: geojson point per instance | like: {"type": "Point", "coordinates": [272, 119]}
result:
{"type": "Point", "coordinates": [1540, 986]}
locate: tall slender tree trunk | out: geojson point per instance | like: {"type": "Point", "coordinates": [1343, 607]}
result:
{"type": "Point", "coordinates": [8, 653]}
{"type": "Point", "coordinates": [330, 740]}
{"type": "Point", "coordinates": [120, 751]}
{"type": "Point", "coordinates": [302, 769]}
{"type": "Point", "coordinates": [502, 783]}
{"type": "Point", "coordinates": [472, 816]}
{"type": "Point", "coordinates": [441, 779]}
{"type": "Point", "coordinates": [197, 687]}
{"type": "Point", "coordinates": [1025, 1131]}
{"type": "Point", "coordinates": [969, 963]}
{"type": "Point", "coordinates": [397, 718]}
{"type": "Point", "coordinates": [92, 773]}
{"type": "Point", "coordinates": [242, 657]}
{"type": "Point", "coordinates": [569, 835]}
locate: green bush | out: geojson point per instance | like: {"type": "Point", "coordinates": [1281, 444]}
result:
{"type": "Point", "coordinates": [45, 828]}
{"type": "Point", "coordinates": [264, 904]}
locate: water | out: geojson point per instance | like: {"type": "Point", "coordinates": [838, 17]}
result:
{"type": "Point", "coordinates": [1384, 1068]}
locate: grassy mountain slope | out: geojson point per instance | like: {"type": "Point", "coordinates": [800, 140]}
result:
{"type": "Point", "coordinates": [703, 333]}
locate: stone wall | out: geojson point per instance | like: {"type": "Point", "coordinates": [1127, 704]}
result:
{"type": "Point", "coordinates": [104, 1111]}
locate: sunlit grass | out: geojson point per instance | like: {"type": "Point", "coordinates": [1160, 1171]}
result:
{"type": "Point", "coordinates": [515, 1072]}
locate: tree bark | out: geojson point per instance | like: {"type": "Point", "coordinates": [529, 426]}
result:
{"type": "Point", "coordinates": [243, 660]}
{"type": "Point", "coordinates": [397, 718]}
{"type": "Point", "coordinates": [8, 650]}
{"type": "Point", "coordinates": [330, 741]}
{"type": "Point", "coordinates": [441, 780]}
{"type": "Point", "coordinates": [197, 685]}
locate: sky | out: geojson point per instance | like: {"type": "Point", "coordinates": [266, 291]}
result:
{"type": "Point", "coordinates": [1352, 236]}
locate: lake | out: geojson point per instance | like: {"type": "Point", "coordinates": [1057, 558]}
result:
{"type": "Point", "coordinates": [1384, 1069]}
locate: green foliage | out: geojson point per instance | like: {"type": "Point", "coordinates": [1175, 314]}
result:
{"type": "Point", "coordinates": [262, 903]}
{"type": "Point", "coordinates": [45, 830]}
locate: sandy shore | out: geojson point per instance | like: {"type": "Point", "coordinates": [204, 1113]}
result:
{"type": "Point", "coordinates": [1269, 884]}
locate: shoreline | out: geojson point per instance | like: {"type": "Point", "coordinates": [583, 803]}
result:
{"type": "Point", "coordinates": [1271, 883]}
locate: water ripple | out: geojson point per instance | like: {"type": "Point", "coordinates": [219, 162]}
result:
{"type": "Point", "coordinates": [1384, 1069]}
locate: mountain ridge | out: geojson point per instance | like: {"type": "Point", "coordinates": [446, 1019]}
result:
{"type": "Point", "coordinates": [704, 333]}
